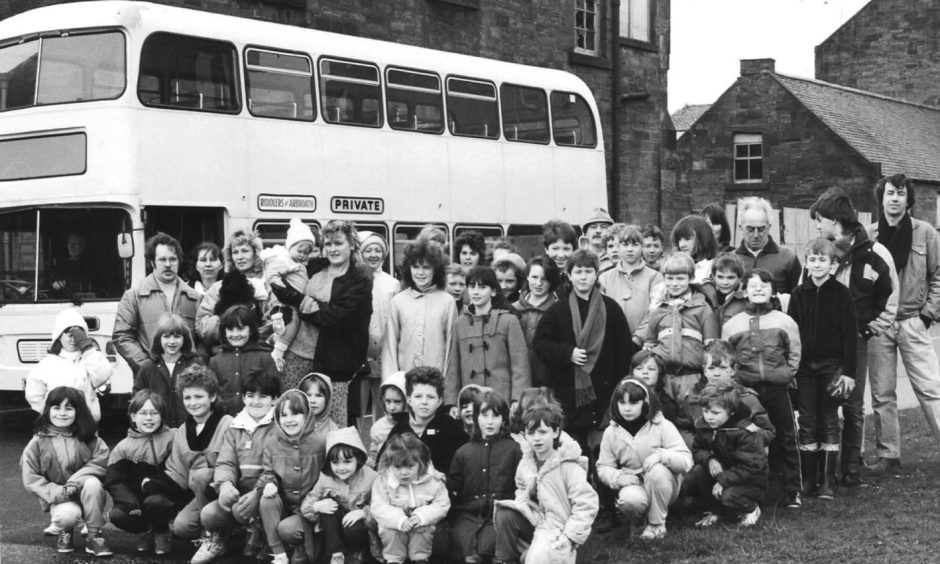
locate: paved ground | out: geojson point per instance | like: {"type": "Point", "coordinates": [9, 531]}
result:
{"type": "Point", "coordinates": [22, 521]}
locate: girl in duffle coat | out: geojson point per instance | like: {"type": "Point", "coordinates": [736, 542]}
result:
{"type": "Point", "coordinates": [339, 501]}
{"type": "Point", "coordinates": [63, 464]}
{"type": "Point", "coordinates": [488, 347]}
{"type": "Point", "coordinates": [483, 471]}
{"type": "Point", "coordinates": [642, 456]}
{"type": "Point", "coordinates": [141, 455]}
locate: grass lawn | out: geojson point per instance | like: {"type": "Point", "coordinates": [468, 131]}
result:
{"type": "Point", "coordinates": [892, 518]}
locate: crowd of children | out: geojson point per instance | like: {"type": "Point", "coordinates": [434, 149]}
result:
{"type": "Point", "coordinates": [520, 406]}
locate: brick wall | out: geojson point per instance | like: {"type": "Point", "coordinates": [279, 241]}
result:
{"type": "Point", "coordinates": [532, 32]}
{"type": "Point", "coordinates": [801, 156]}
{"type": "Point", "coordinates": [890, 47]}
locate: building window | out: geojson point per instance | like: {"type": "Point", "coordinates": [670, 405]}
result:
{"type": "Point", "coordinates": [748, 158]}
{"type": "Point", "coordinates": [586, 16]}
{"type": "Point", "coordinates": [635, 19]}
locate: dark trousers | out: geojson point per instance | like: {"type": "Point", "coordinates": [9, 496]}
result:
{"type": "Point", "coordinates": [819, 416]}
{"type": "Point", "coordinates": [513, 534]}
{"type": "Point", "coordinates": [853, 431]}
{"type": "Point", "coordinates": [339, 538]}
{"type": "Point", "coordinates": [735, 500]}
{"type": "Point", "coordinates": [155, 515]}
{"type": "Point", "coordinates": [783, 450]}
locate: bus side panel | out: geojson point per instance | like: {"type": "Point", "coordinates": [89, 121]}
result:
{"type": "Point", "coordinates": [579, 180]}
{"type": "Point", "coordinates": [529, 200]}
{"type": "Point", "coordinates": [418, 165]}
{"type": "Point", "coordinates": [477, 189]}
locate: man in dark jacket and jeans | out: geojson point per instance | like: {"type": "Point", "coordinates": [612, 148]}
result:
{"type": "Point", "coordinates": [915, 246]}
{"type": "Point", "coordinates": [867, 269]}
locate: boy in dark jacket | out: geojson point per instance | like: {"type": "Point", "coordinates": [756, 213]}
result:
{"type": "Point", "coordinates": [730, 465]}
{"type": "Point", "coordinates": [822, 309]}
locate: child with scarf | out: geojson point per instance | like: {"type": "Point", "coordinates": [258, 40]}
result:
{"type": "Point", "coordinates": [488, 348]}
{"type": "Point", "coordinates": [585, 342]}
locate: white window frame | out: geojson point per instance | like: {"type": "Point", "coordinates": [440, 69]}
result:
{"type": "Point", "coordinates": [636, 20]}
{"type": "Point", "coordinates": [591, 10]}
{"type": "Point", "coordinates": [747, 140]}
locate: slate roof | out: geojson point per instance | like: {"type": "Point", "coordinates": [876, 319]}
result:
{"type": "Point", "coordinates": [902, 136]}
{"type": "Point", "coordinates": [688, 115]}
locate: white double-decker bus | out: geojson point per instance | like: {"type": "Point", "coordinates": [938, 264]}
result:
{"type": "Point", "coordinates": [121, 119]}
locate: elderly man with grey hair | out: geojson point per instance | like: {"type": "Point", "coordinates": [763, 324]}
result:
{"type": "Point", "coordinates": [759, 250]}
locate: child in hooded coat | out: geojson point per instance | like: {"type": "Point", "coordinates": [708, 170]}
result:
{"type": "Point", "coordinates": [339, 502]}
{"type": "Point", "coordinates": [73, 360]}
{"type": "Point", "coordinates": [392, 395]}
{"type": "Point", "coordinates": [291, 465]}
{"type": "Point", "coordinates": [554, 505]}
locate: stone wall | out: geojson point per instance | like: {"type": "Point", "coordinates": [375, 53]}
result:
{"type": "Point", "coordinates": [801, 157]}
{"type": "Point", "coordinates": [891, 47]}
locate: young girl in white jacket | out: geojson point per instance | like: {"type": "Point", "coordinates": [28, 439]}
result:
{"type": "Point", "coordinates": [73, 361]}
{"type": "Point", "coordinates": [642, 456]}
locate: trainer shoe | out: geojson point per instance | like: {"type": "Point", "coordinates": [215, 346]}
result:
{"type": "Point", "coordinates": [66, 542]}
{"type": "Point", "coordinates": [96, 545]}
{"type": "Point", "coordinates": [653, 532]}
{"type": "Point", "coordinates": [280, 558]}
{"type": "Point", "coordinates": [794, 500]}
{"type": "Point", "coordinates": [52, 530]}
{"type": "Point", "coordinates": [162, 543]}
{"type": "Point", "coordinates": [707, 520]}
{"type": "Point", "coordinates": [210, 549]}
{"type": "Point", "coordinates": [750, 519]}
{"type": "Point", "coordinates": [338, 558]}
{"type": "Point", "coordinates": [883, 465]}
{"type": "Point", "coordinates": [144, 541]}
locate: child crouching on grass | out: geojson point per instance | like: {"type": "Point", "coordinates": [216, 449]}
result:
{"type": "Point", "coordinates": [642, 457]}
{"type": "Point", "coordinates": [63, 465]}
{"type": "Point", "coordinates": [554, 507]}
{"type": "Point", "coordinates": [409, 498]}
{"type": "Point", "coordinates": [730, 470]}
{"type": "Point", "coordinates": [339, 502]}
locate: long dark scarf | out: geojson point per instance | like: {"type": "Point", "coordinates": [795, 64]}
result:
{"type": "Point", "coordinates": [589, 335]}
{"type": "Point", "coordinates": [900, 241]}
{"type": "Point", "coordinates": [199, 443]}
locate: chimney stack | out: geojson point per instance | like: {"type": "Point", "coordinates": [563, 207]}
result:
{"type": "Point", "coordinates": [754, 66]}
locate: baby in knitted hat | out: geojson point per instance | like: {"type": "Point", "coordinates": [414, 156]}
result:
{"type": "Point", "coordinates": [285, 266]}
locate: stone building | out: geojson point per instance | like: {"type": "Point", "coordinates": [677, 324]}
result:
{"type": "Point", "coordinates": [625, 69]}
{"type": "Point", "coordinates": [890, 47]}
{"type": "Point", "coordinates": [788, 139]}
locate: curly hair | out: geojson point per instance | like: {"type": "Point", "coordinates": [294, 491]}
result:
{"type": "Point", "coordinates": [198, 376]}
{"type": "Point", "coordinates": [473, 239]}
{"type": "Point", "coordinates": [244, 238]}
{"type": "Point", "coordinates": [423, 251]}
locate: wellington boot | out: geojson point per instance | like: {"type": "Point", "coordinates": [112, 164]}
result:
{"type": "Point", "coordinates": [809, 462]}
{"type": "Point", "coordinates": [827, 469]}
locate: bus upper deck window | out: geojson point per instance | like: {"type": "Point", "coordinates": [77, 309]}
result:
{"type": "Point", "coordinates": [72, 68]}
{"type": "Point", "coordinates": [188, 73]}
{"type": "Point", "coordinates": [472, 109]}
{"type": "Point", "coordinates": [525, 113]}
{"type": "Point", "coordinates": [572, 121]}
{"type": "Point", "coordinates": [280, 85]}
{"type": "Point", "coordinates": [350, 93]}
{"type": "Point", "coordinates": [414, 101]}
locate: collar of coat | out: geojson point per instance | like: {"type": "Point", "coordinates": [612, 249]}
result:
{"type": "Point", "coordinates": [566, 452]}
{"type": "Point", "coordinates": [246, 422]}
{"type": "Point", "coordinates": [693, 298]}
{"type": "Point", "coordinates": [769, 249]}
{"type": "Point", "coordinates": [149, 285]}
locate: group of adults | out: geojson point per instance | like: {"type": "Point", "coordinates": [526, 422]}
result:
{"type": "Point", "coordinates": [334, 321]}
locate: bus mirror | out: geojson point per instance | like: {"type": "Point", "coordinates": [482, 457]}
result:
{"type": "Point", "coordinates": [125, 245]}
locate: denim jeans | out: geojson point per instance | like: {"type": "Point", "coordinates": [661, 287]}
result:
{"type": "Point", "coordinates": [819, 415]}
{"type": "Point", "coordinates": [911, 339]}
